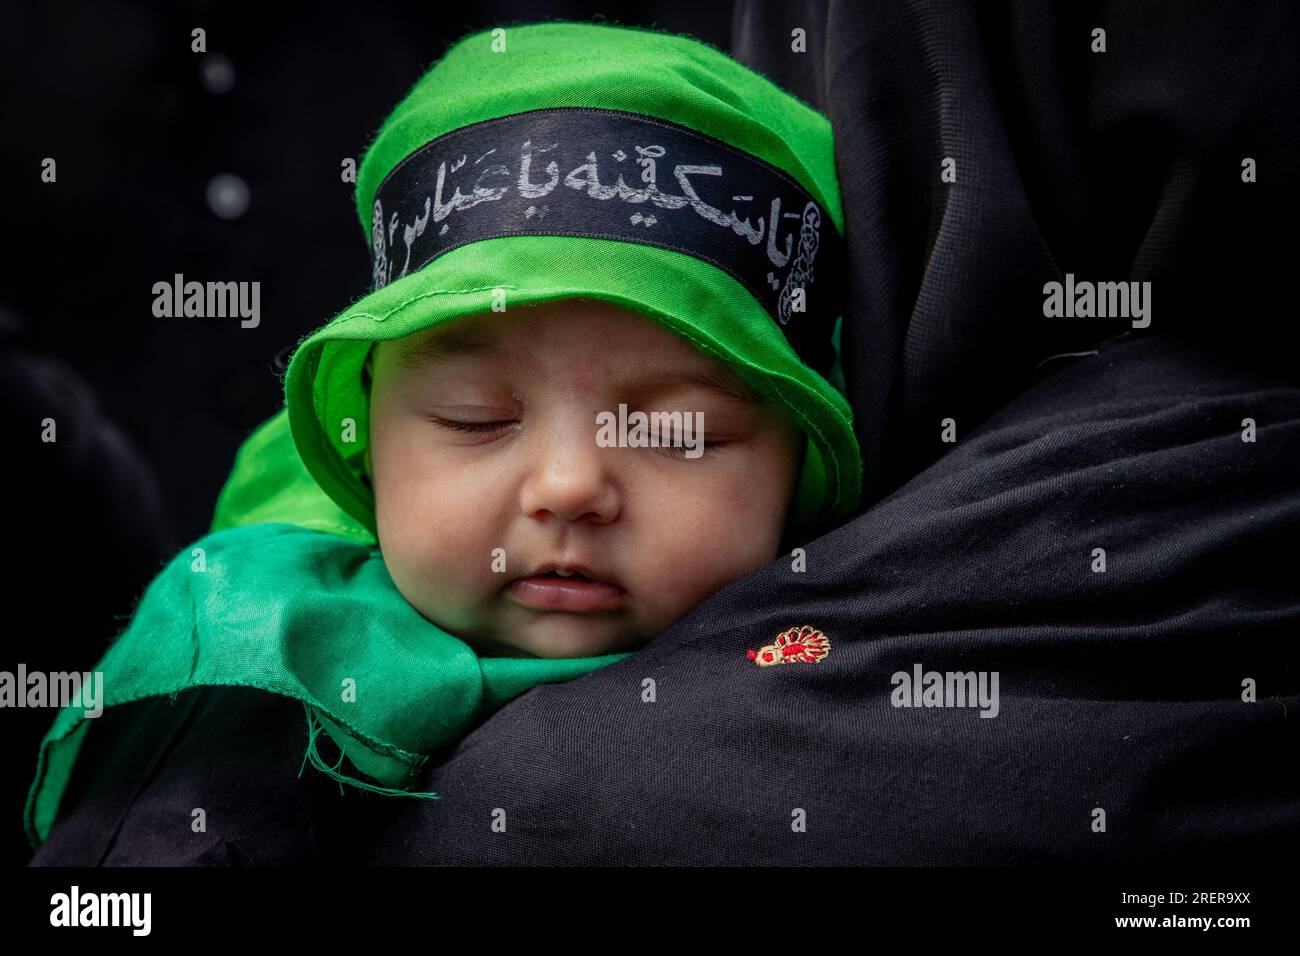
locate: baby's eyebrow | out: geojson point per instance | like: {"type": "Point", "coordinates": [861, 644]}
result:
{"type": "Point", "coordinates": [451, 343]}
{"type": "Point", "coordinates": [723, 383]}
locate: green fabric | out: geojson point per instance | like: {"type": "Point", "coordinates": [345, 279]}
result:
{"type": "Point", "coordinates": [269, 483]}
{"type": "Point", "coordinates": [290, 593]}
{"type": "Point", "coordinates": [300, 613]}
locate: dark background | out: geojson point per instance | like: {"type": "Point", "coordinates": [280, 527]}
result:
{"type": "Point", "coordinates": [112, 92]}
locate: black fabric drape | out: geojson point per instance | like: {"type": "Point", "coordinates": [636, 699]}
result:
{"type": "Point", "coordinates": [1115, 166]}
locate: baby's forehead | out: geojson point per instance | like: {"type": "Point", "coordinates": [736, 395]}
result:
{"type": "Point", "coordinates": [482, 343]}
{"type": "Point", "coordinates": [555, 323]}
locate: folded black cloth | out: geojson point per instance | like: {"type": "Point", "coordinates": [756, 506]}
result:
{"type": "Point", "coordinates": [1115, 166]}
{"type": "Point", "coordinates": [1120, 735]}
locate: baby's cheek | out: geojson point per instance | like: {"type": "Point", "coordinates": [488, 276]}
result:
{"type": "Point", "coordinates": [681, 576]}
{"type": "Point", "coordinates": [690, 566]}
{"type": "Point", "coordinates": [409, 536]}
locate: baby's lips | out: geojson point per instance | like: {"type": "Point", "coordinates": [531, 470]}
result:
{"type": "Point", "coordinates": [552, 593]}
{"type": "Point", "coordinates": [567, 569]}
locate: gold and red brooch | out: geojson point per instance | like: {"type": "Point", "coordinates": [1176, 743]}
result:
{"type": "Point", "coordinates": [799, 645]}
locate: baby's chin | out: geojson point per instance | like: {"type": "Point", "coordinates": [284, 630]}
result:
{"type": "Point", "coordinates": [560, 636]}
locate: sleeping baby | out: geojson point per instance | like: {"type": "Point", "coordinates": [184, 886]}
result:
{"type": "Point", "coordinates": [502, 519]}
{"type": "Point", "coordinates": [574, 229]}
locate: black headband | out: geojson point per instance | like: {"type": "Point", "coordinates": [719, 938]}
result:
{"type": "Point", "coordinates": [564, 172]}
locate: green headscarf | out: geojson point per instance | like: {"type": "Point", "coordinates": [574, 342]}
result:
{"type": "Point", "coordinates": [288, 592]}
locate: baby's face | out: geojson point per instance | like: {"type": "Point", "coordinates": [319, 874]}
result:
{"type": "Point", "coordinates": [484, 454]}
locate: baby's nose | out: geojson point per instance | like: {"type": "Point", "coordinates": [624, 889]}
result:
{"type": "Point", "coordinates": [570, 475]}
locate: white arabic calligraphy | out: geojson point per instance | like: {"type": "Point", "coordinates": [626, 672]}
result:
{"type": "Point", "coordinates": [383, 269]}
{"type": "Point", "coordinates": [585, 178]}
{"type": "Point", "coordinates": [801, 273]}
